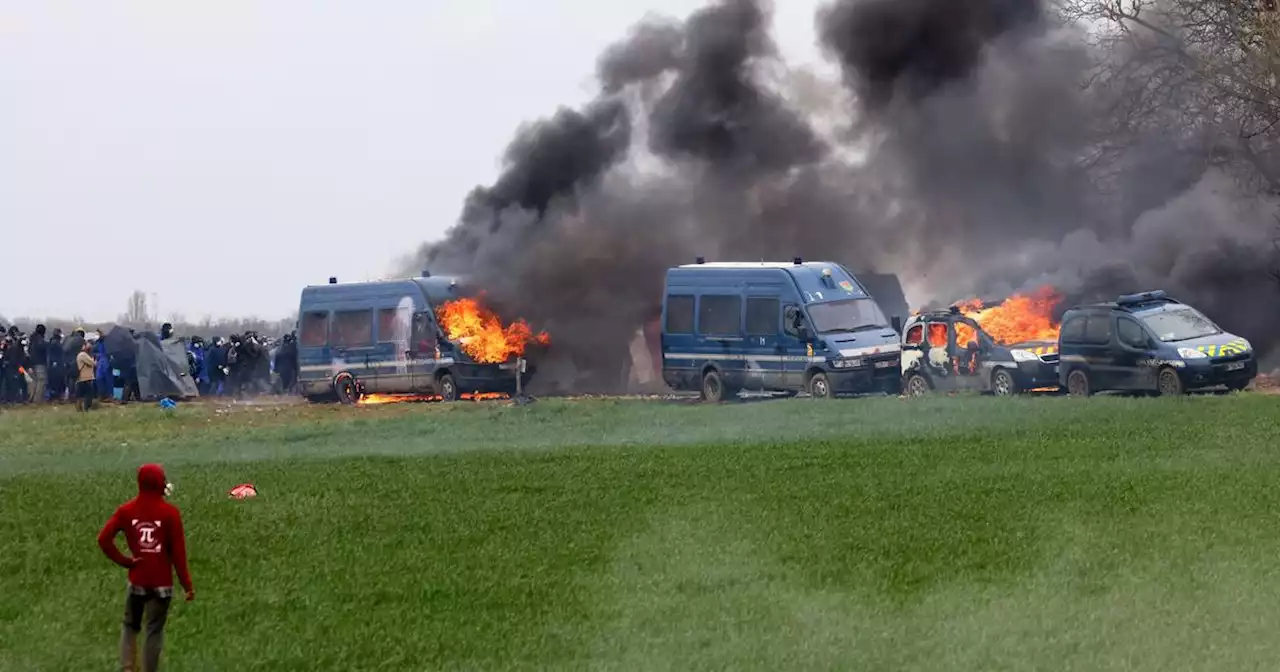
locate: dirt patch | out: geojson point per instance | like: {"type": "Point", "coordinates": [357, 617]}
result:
{"type": "Point", "coordinates": [1267, 384]}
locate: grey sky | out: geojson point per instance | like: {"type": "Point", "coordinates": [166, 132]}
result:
{"type": "Point", "coordinates": [228, 152]}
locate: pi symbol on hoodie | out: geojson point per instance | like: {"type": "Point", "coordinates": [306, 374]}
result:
{"type": "Point", "coordinates": [148, 535]}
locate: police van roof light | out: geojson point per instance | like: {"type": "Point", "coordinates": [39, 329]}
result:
{"type": "Point", "coordinates": [333, 280]}
{"type": "Point", "coordinates": [426, 273]}
{"type": "Point", "coordinates": [700, 260]}
{"type": "Point", "coordinates": [797, 261]}
{"type": "Point", "coordinates": [1143, 297]}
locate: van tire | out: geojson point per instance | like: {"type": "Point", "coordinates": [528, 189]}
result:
{"type": "Point", "coordinates": [820, 387]}
{"type": "Point", "coordinates": [917, 386]}
{"type": "Point", "coordinates": [1078, 384]}
{"type": "Point", "coordinates": [1169, 384]}
{"type": "Point", "coordinates": [1003, 384]}
{"type": "Point", "coordinates": [712, 387]}
{"type": "Point", "coordinates": [346, 389]}
{"type": "Point", "coordinates": [446, 388]}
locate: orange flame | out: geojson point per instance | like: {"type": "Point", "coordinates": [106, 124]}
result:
{"type": "Point", "coordinates": [1018, 319]}
{"type": "Point", "coordinates": [380, 399]}
{"type": "Point", "coordinates": [480, 332]}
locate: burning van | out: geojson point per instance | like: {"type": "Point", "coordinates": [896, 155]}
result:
{"type": "Point", "coordinates": [950, 350]}
{"type": "Point", "coordinates": [421, 336]}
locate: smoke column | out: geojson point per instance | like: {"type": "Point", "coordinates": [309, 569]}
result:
{"type": "Point", "coordinates": [956, 164]}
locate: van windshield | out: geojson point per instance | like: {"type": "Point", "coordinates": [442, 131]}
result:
{"type": "Point", "coordinates": [848, 315]}
{"type": "Point", "coordinates": [1180, 325]}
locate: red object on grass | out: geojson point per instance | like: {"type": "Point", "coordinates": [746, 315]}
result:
{"type": "Point", "coordinates": [243, 490]}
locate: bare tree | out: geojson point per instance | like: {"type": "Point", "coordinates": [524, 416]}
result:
{"type": "Point", "coordinates": [1200, 74]}
{"type": "Point", "coordinates": [136, 312]}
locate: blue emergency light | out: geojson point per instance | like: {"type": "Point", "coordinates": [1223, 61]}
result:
{"type": "Point", "coordinates": [1144, 297]}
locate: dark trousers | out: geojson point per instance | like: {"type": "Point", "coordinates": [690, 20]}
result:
{"type": "Point", "coordinates": [84, 395]}
{"type": "Point", "coordinates": [149, 608]}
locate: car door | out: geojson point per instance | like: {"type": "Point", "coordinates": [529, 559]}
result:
{"type": "Point", "coordinates": [1134, 354]}
{"type": "Point", "coordinates": [1103, 352]}
{"type": "Point", "coordinates": [793, 347]}
{"type": "Point", "coordinates": [423, 352]}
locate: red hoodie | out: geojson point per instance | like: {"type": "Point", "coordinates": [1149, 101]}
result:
{"type": "Point", "coordinates": [153, 529]}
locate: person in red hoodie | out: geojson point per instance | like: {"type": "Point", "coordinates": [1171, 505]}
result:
{"type": "Point", "coordinates": [152, 528]}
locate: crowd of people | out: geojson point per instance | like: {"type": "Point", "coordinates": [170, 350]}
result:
{"type": "Point", "coordinates": [45, 367]}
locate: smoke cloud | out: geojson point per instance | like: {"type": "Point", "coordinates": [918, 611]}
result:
{"type": "Point", "coordinates": [963, 159]}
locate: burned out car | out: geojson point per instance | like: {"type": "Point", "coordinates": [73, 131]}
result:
{"type": "Point", "coordinates": [947, 351]}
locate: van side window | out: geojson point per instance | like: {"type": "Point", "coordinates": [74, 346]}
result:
{"type": "Point", "coordinates": [792, 320]}
{"type": "Point", "coordinates": [1073, 330]}
{"type": "Point", "coordinates": [393, 325]}
{"type": "Point", "coordinates": [915, 335]}
{"type": "Point", "coordinates": [352, 328]}
{"type": "Point", "coordinates": [679, 314]}
{"type": "Point", "coordinates": [1131, 333]}
{"type": "Point", "coordinates": [423, 340]}
{"type": "Point", "coordinates": [762, 317]}
{"type": "Point", "coordinates": [719, 315]}
{"type": "Point", "coordinates": [315, 330]}
{"type": "Point", "coordinates": [1098, 330]}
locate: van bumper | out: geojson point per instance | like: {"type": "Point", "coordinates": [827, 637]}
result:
{"type": "Point", "coordinates": [1036, 375]}
{"type": "Point", "coordinates": [867, 379]}
{"type": "Point", "coordinates": [1200, 374]}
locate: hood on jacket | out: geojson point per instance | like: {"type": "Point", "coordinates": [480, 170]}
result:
{"type": "Point", "coordinates": [151, 479]}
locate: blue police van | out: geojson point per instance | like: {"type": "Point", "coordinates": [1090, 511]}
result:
{"type": "Point", "coordinates": [775, 327]}
{"type": "Point", "coordinates": [383, 337]}
{"type": "Point", "coordinates": [1149, 342]}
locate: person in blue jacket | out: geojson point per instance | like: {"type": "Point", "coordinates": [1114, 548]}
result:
{"type": "Point", "coordinates": [105, 380]}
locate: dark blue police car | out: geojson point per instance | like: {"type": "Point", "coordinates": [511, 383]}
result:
{"type": "Point", "coordinates": [1149, 342]}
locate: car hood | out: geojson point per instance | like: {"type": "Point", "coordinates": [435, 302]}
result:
{"type": "Point", "coordinates": [864, 344]}
{"type": "Point", "coordinates": [1217, 345]}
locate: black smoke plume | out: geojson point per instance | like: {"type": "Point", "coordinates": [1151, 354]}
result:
{"type": "Point", "coordinates": [962, 156]}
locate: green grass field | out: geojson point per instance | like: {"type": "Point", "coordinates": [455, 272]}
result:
{"type": "Point", "coordinates": [875, 534]}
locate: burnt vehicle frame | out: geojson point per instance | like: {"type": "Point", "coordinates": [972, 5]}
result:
{"type": "Point", "coordinates": [933, 359]}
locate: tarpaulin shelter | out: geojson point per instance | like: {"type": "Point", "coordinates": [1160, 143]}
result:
{"type": "Point", "coordinates": [162, 369]}
{"type": "Point", "coordinates": [121, 345]}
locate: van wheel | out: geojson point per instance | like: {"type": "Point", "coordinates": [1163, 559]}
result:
{"type": "Point", "coordinates": [917, 385]}
{"type": "Point", "coordinates": [712, 387]}
{"type": "Point", "coordinates": [1169, 384]}
{"type": "Point", "coordinates": [347, 389]}
{"type": "Point", "coordinates": [1003, 384]}
{"type": "Point", "coordinates": [1078, 384]}
{"type": "Point", "coordinates": [447, 388]}
{"type": "Point", "coordinates": [820, 387]}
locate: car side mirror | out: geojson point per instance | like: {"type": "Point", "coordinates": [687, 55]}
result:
{"type": "Point", "coordinates": [804, 334]}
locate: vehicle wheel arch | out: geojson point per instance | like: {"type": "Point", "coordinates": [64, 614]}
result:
{"type": "Point", "coordinates": [1085, 375]}
{"type": "Point", "coordinates": [917, 374]}
{"type": "Point", "coordinates": [338, 385]}
{"type": "Point", "coordinates": [998, 370]}
{"type": "Point", "coordinates": [1164, 372]}
{"type": "Point", "coordinates": [809, 377]}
